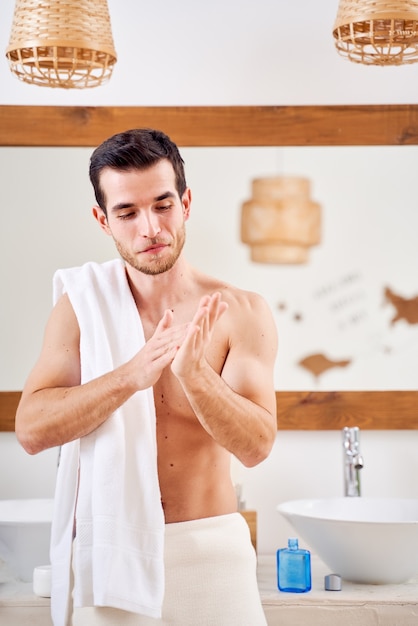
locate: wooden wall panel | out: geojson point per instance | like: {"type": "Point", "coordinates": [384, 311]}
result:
{"type": "Point", "coordinates": [331, 410]}
{"type": "Point", "coordinates": [8, 405]}
{"type": "Point", "coordinates": [214, 126]}
{"type": "Point", "coordinates": [306, 410]}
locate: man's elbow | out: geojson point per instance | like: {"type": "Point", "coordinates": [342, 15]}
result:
{"type": "Point", "coordinates": [258, 453]}
{"type": "Point", "coordinates": [26, 436]}
{"type": "Point", "coordinates": [27, 442]}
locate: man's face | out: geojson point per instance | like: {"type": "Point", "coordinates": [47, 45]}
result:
{"type": "Point", "coordinates": [145, 216]}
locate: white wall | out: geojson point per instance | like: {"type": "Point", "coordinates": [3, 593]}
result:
{"type": "Point", "coordinates": [269, 52]}
{"type": "Point", "coordinates": [223, 52]}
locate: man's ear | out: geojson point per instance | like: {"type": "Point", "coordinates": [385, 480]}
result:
{"type": "Point", "coordinates": [187, 202]}
{"type": "Point", "coordinates": [101, 218]}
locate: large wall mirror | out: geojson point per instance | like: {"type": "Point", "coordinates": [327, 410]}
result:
{"type": "Point", "coordinates": [341, 306]}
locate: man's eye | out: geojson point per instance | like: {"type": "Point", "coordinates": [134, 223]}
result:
{"type": "Point", "coordinates": [163, 207]}
{"type": "Point", "coordinates": [126, 216]}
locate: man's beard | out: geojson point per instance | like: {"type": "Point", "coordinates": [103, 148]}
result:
{"type": "Point", "coordinates": [155, 266]}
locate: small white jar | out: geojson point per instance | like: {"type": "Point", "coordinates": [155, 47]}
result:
{"type": "Point", "coordinates": [42, 581]}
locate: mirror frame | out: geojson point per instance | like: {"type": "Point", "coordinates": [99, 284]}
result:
{"type": "Point", "coordinates": [221, 126]}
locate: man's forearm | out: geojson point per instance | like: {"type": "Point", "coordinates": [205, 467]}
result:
{"type": "Point", "coordinates": [53, 416]}
{"type": "Point", "coordinates": [235, 422]}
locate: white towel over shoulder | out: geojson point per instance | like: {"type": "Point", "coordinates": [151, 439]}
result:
{"type": "Point", "coordinates": [119, 549]}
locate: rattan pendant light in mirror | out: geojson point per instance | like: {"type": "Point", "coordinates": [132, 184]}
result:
{"type": "Point", "coordinates": [377, 32]}
{"type": "Point", "coordinates": [280, 222]}
{"type": "Point", "coordinates": [61, 43]}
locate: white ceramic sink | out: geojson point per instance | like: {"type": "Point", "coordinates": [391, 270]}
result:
{"type": "Point", "coordinates": [25, 530]}
{"type": "Point", "coordinates": [365, 540]}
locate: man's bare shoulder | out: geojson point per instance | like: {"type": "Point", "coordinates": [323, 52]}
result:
{"type": "Point", "coordinates": [239, 300]}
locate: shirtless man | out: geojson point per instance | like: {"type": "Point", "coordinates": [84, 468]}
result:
{"type": "Point", "coordinates": [208, 356]}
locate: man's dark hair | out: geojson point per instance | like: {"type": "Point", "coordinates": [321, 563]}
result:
{"type": "Point", "coordinates": [135, 149]}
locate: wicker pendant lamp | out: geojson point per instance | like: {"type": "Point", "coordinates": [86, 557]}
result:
{"type": "Point", "coordinates": [377, 32]}
{"type": "Point", "coordinates": [280, 222]}
{"type": "Point", "coordinates": [61, 43]}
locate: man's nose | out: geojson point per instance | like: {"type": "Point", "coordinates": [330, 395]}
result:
{"type": "Point", "coordinates": [149, 225]}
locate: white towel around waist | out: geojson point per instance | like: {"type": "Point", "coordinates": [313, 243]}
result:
{"type": "Point", "coordinates": [211, 579]}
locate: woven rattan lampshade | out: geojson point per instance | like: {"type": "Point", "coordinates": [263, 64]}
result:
{"type": "Point", "coordinates": [280, 222]}
{"type": "Point", "coordinates": [61, 43]}
{"type": "Point", "coordinates": [377, 32]}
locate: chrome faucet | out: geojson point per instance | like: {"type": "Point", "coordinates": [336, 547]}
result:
{"type": "Point", "coordinates": [353, 461]}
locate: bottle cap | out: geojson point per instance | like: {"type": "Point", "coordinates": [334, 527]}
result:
{"type": "Point", "coordinates": [332, 582]}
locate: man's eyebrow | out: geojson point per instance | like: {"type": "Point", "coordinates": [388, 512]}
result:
{"type": "Point", "coordinates": [164, 196]}
{"type": "Point", "coordinates": [129, 205]}
{"type": "Point", "coordinates": [122, 205]}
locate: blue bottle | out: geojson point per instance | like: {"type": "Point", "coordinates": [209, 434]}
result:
{"type": "Point", "coordinates": [294, 568]}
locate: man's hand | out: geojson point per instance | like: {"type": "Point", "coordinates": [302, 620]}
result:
{"type": "Point", "coordinates": [159, 351]}
{"type": "Point", "coordinates": [191, 354]}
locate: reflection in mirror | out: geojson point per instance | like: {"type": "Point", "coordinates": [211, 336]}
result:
{"type": "Point", "coordinates": [347, 319]}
